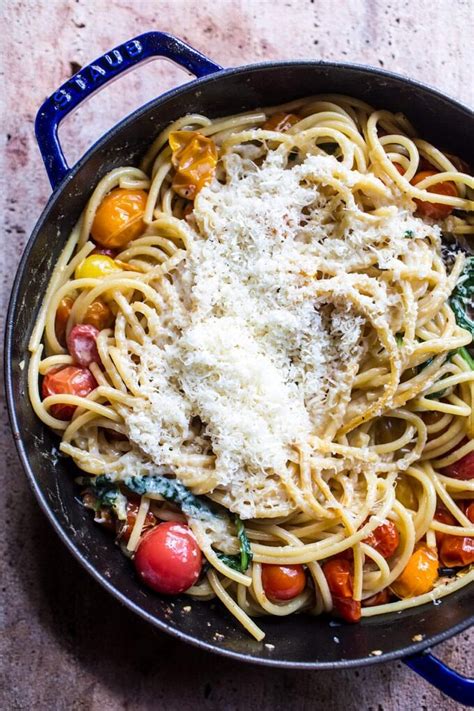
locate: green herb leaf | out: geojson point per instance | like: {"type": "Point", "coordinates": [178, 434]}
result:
{"type": "Point", "coordinates": [242, 560]}
{"type": "Point", "coordinates": [408, 233]}
{"type": "Point", "coordinates": [107, 494]}
{"type": "Point", "coordinates": [171, 490]}
{"type": "Point", "coordinates": [399, 338]}
{"type": "Point", "coordinates": [464, 353]}
{"type": "Point", "coordinates": [462, 298]}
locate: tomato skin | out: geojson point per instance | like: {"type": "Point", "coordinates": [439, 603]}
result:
{"type": "Point", "coordinates": [434, 210]}
{"type": "Point", "coordinates": [283, 582]}
{"type": "Point", "coordinates": [125, 528]}
{"type": "Point", "coordinates": [469, 511]}
{"type": "Point", "coordinates": [281, 121]}
{"type": "Point", "coordinates": [443, 516]}
{"type": "Point", "coordinates": [119, 218]}
{"type": "Point", "coordinates": [62, 317]}
{"type": "Point", "coordinates": [338, 572]}
{"type": "Point", "coordinates": [384, 539]}
{"type": "Point", "coordinates": [462, 469]}
{"type": "Point", "coordinates": [456, 551]}
{"type": "Point", "coordinates": [419, 575]}
{"type": "Point", "coordinates": [168, 558]}
{"type": "Point", "coordinates": [70, 380]}
{"type": "Point", "coordinates": [194, 158]}
{"type": "Point", "coordinates": [82, 344]}
{"type": "Point", "coordinates": [347, 609]}
{"type": "Point", "coordinates": [99, 314]}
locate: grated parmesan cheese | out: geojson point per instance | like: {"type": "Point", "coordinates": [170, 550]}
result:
{"type": "Point", "coordinates": [250, 350]}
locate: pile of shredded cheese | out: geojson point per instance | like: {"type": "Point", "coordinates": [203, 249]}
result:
{"type": "Point", "coordinates": [249, 349]}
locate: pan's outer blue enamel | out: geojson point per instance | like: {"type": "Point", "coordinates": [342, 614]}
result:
{"type": "Point", "coordinates": [299, 641]}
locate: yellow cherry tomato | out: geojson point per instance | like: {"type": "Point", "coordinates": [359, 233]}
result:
{"type": "Point", "coordinates": [194, 158]}
{"type": "Point", "coordinates": [99, 314]}
{"type": "Point", "coordinates": [119, 218]}
{"type": "Point", "coordinates": [96, 266]}
{"type": "Point", "coordinates": [419, 575]}
{"type": "Point", "coordinates": [405, 493]}
{"type": "Point", "coordinates": [281, 121]}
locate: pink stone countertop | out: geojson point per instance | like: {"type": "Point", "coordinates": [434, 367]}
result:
{"type": "Point", "coordinates": [65, 644]}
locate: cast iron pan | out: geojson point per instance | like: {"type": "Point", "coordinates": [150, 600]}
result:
{"type": "Point", "coordinates": [299, 641]}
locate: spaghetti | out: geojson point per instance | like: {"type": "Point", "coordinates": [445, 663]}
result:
{"type": "Point", "coordinates": [259, 334]}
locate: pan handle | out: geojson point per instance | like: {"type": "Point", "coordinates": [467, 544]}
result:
{"type": "Point", "coordinates": [96, 75]}
{"type": "Point", "coordinates": [456, 686]}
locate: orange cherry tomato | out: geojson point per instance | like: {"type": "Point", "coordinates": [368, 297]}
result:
{"type": "Point", "coordinates": [62, 317]}
{"type": "Point", "coordinates": [419, 575]}
{"type": "Point", "coordinates": [443, 516]}
{"type": "Point", "coordinates": [456, 551]}
{"type": "Point", "coordinates": [125, 528]}
{"type": "Point", "coordinates": [280, 121]}
{"type": "Point", "coordinates": [434, 210]}
{"type": "Point", "coordinates": [400, 168]}
{"type": "Point", "coordinates": [70, 380]}
{"type": "Point", "coordinates": [194, 158]}
{"type": "Point", "coordinates": [283, 582]}
{"type": "Point", "coordinates": [168, 558]}
{"type": "Point", "coordinates": [384, 539]}
{"type": "Point", "coordinates": [119, 218]}
{"type": "Point", "coordinates": [100, 315]}
{"type": "Point", "coordinates": [380, 598]}
{"type": "Point", "coordinates": [462, 469]}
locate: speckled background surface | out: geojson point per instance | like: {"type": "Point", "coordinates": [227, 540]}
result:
{"type": "Point", "coordinates": [65, 644]}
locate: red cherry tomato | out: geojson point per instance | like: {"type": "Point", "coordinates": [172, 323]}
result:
{"type": "Point", "coordinates": [435, 210]}
{"type": "Point", "coordinates": [283, 582]}
{"type": "Point", "coordinates": [470, 511]}
{"type": "Point", "coordinates": [125, 528]}
{"type": "Point", "coordinates": [462, 469]}
{"type": "Point", "coordinates": [443, 516]}
{"type": "Point", "coordinates": [81, 344]}
{"type": "Point", "coordinates": [67, 381]}
{"type": "Point", "coordinates": [456, 551]}
{"type": "Point", "coordinates": [384, 539]}
{"type": "Point", "coordinates": [168, 558]}
{"type": "Point", "coordinates": [347, 609]}
{"type": "Point", "coordinates": [338, 574]}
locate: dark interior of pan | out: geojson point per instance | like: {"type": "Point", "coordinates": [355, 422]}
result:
{"type": "Point", "coordinates": [298, 640]}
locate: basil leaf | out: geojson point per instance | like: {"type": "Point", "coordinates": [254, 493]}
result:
{"type": "Point", "coordinates": [462, 297]}
{"type": "Point", "coordinates": [464, 353]}
{"type": "Point", "coordinates": [107, 494]}
{"type": "Point", "coordinates": [408, 233]}
{"type": "Point", "coordinates": [242, 560]}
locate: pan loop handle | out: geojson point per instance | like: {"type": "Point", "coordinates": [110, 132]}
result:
{"type": "Point", "coordinates": [95, 76]}
{"type": "Point", "coordinates": [456, 686]}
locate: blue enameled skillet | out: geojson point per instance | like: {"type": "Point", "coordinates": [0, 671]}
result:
{"type": "Point", "coordinates": [299, 641]}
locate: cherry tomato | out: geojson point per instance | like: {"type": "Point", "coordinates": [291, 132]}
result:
{"type": "Point", "coordinates": [456, 551]}
{"type": "Point", "coordinates": [194, 158]}
{"type": "Point", "coordinates": [469, 511]}
{"type": "Point", "coordinates": [168, 559]}
{"type": "Point", "coordinates": [405, 493]}
{"type": "Point", "coordinates": [119, 218]}
{"type": "Point", "coordinates": [347, 609]}
{"type": "Point", "coordinates": [384, 539]}
{"type": "Point", "coordinates": [380, 598]}
{"type": "Point", "coordinates": [462, 469]}
{"type": "Point", "coordinates": [70, 380]}
{"type": "Point", "coordinates": [443, 516]}
{"type": "Point", "coordinates": [283, 582]}
{"type": "Point", "coordinates": [280, 121]}
{"type": "Point", "coordinates": [96, 266]}
{"type": "Point", "coordinates": [62, 316]}
{"type": "Point", "coordinates": [82, 344]}
{"type": "Point", "coordinates": [125, 528]}
{"type": "Point", "coordinates": [419, 575]}
{"type": "Point", "coordinates": [434, 210]}
{"type": "Point", "coordinates": [100, 315]}
{"type": "Point", "coordinates": [338, 574]}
